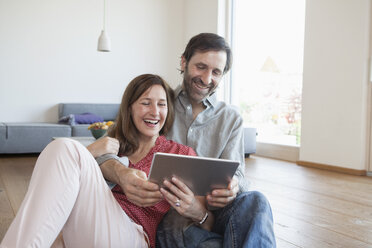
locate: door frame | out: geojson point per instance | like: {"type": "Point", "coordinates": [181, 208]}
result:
{"type": "Point", "coordinates": [369, 102]}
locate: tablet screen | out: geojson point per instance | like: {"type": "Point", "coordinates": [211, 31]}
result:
{"type": "Point", "coordinates": [200, 174]}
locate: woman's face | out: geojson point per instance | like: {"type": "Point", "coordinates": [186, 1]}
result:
{"type": "Point", "coordinates": [150, 111]}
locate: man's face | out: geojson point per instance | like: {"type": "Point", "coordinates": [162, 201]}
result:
{"type": "Point", "coordinates": [203, 73]}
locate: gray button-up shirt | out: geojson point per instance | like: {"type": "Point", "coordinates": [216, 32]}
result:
{"type": "Point", "coordinates": [216, 132]}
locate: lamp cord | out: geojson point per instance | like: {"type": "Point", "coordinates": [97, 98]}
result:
{"type": "Point", "coordinates": [104, 14]}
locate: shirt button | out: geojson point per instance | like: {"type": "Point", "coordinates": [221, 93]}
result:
{"type": "Point", "coordinates": [190, 129]}
{"type": "Point", "coordinates": [188, 107]}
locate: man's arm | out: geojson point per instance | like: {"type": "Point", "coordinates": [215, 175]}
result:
{"type": "Point", "coordinates": [105, 145]}
{"type": "Point", "coordinates": [123, 161]}
{"type": "Point", "coordinates": [234, 150]}
{"type": "Point", "coordinates": [133, 182]}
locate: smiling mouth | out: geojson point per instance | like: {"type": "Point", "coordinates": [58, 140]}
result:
{"type": "Point", "coordinates": [152, 122]}
{"type": "Point", "coordinates": [200, 85]}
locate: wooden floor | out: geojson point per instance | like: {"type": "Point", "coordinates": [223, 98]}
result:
{"type": "Point", "coordinates": [311, 207]}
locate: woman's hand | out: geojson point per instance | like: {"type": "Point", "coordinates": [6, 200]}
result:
{"type": "Point", "coordinates": [181, 198]}
{"type": "Point", "coordinates": [103, 146]}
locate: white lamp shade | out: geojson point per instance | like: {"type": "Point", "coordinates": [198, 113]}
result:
{"type": "Point", "coordinates": [104, 43]}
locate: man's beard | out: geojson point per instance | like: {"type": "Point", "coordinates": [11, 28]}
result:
{"type": "Point", "coordinates": [188, 87]}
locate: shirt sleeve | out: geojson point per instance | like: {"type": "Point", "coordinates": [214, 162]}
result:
{"type": "Point", "coordinates": [103, 158]}
{"type": "Point", "coordinates": [123, 160]}
{"type": "Point", "coordinates": [234, 150]}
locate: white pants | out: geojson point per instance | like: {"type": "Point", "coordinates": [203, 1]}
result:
{"type": "Point", "coordinates": [68, 192]}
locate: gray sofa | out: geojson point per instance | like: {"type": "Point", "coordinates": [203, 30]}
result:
{"type": "Point", "coordinates": [107, 111]}
{"type": "Point", "coordinates": [23, 137]}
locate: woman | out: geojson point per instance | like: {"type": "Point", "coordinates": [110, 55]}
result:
{"type": "Point", "coordinates": [68, 191]}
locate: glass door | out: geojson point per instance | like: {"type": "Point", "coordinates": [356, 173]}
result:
{"type": "Point", "coordinates": [267, 42]}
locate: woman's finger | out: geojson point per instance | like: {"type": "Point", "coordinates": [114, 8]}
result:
{"type": "Point", "coordinates": [174, 189]}
{"type": "Point", "coordinates": [182, 186]}
{"type": "Point", "coordinates": [173, 200]}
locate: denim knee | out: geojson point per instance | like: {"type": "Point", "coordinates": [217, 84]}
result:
{"type": "Point", "coordinates": [246, 222]}
{"type": "Point", "coordinates": [256, 200]}
{"type": "Point", "coordinates": [246, 202]}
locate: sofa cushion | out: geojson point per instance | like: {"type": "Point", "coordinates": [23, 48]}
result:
{"type": "Point", "coordinates": [2, 131]}
{"type": "Point", "coordinates": [85, 118]}
{"type": "Point", "coordinates": [107, 111]}
{"type": "Point", "coordinates": [80, 130]}
{"type": "Point", "coordinates": [31, 137]}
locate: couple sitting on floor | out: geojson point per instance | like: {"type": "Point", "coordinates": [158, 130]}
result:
{"type": "Point", "coordinates": [68, 190]}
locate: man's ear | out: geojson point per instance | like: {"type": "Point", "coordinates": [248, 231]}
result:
{"type": "Point", "coordinates": [183, 63]}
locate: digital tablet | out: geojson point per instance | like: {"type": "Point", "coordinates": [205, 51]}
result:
{"type": "Point", "coordinates": [201, 175]}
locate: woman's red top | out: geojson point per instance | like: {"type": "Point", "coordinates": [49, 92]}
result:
{"type": "Point", "coordinates": [150, 217]}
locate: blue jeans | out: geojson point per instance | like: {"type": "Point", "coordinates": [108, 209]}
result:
{"type": "Point", "coordinates": [246, 222]}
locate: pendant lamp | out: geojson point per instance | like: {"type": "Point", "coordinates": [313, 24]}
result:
{"type": "Point", "coordinates": [104, 43]}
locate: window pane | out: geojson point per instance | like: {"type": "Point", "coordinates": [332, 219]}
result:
{"type": "Point", "coordinates": [268, 38]}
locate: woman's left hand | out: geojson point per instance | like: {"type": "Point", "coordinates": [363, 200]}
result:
{"type": "Point", "coordinates": [181, 198]}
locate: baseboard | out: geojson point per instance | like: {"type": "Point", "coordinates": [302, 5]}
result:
{"type": "Point", "coordinates": [276, 151]}
{"type": "Point", "coordinates": [332, 168]}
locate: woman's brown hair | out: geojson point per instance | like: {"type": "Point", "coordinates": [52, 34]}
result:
{"type": "Point", "coordinates": [124, 129]}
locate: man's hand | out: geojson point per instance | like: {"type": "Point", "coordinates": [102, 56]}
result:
{"type": "Point", "coordinates": [222, 197]}
{"type": "Point", "coordinates": [103, 146]}
{"type": "Point", "coordinates": [137, 189]}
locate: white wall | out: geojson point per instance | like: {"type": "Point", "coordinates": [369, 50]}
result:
{"type": "Point", "coordinates": [48, 55]}
{"type": "Point", "coordinates": [48, 52]}
{"type": "Point", "coordinates": [200, 17]}
{"type": "Point", "coordinates": [335, 83]}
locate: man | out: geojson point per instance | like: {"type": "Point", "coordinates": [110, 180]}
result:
{"type": "Point", "coordinates": [212, 129]}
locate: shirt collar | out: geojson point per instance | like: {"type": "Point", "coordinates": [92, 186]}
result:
{"type": "Point", "coordinates": [211, 100]}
